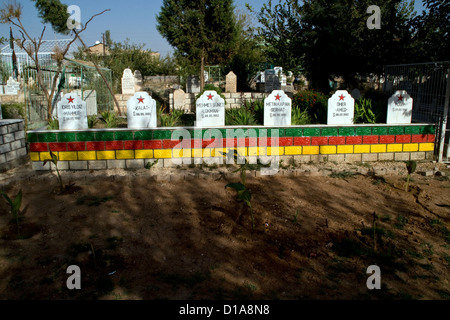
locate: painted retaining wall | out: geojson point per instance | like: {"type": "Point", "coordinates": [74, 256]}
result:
{"type": "Point", "coordinates": [13, 149]}
{"type": "Point", "coordinates": [132, 149]}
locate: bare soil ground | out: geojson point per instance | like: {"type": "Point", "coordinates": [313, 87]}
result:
{"type": "Point", "coordinates": [137, 237]}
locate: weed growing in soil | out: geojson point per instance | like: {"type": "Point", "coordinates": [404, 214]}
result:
{"type": "Point", "coordinates": [14, 205]}
{"type": "Point", "coordinates": [411, 167]}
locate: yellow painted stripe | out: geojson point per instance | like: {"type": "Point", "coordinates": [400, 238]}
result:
{"type": "Point", "coordinates": [378, 148]}
{"type": "Point", "coordinates": [426, 147]}
{"type": "Point", "coordinates": [144, 154]}
{"type": "Point", "coordinates": [34, 156]}
{"type": "Point", "coordinates": [311, 150]}
{"type": "Point", "coordinates": [163, 154]}
{"type": "Point", "coordinates": [242, 151]}
{"type": "Point", "coordinates": [410, 147]}
{"type": "Point", "coordinates": [275, 151]}
{"type": "Point", "coordinates": [182, 153]}
{"type": "Point", "coordinates": [364, 148]}
{"type": "Point", "coordinates": [124, 154]}
{"type": "Point", "coordinates": [345, 149]}
{"type": "Point", "coordinates": [106, 155]}
{"type": "Point", "coordinates": [68, 156]}
{"type": "Point", "coordinates": [327, 149]}
{"type": "Point", "coordinates": [87, 155]}
{"type": "Point", "coordinates": [394, 148]}
{"type": "Point", "coordinates": [46, 155]}
{"type": "Point", "coordinates": [293, 150]}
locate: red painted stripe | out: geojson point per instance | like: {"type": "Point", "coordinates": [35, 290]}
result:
{"type": "Point", "coordinates": [170, 144]}
{"type": "Point", "coordinates": [302, 141]}
{"type": "Point", "coordinates": [370, 139]}
{"type": "Point", "coordinates": [38, 147]}
{"type": "Point", "coordinates": [419, 138]}
{"type": "Point", "coordinates": [319, 141]}
{"type": "Point", "coordinates": [431, 138]}
{"type": "Point", "coordinates": [354, 140]}
{"type": "Point", "coordinates": [153, 144]}
{"type": "Point", "coordinates": [57, 146]}
{"type": "Point", "coordinates": [405, 138]}
{"type": "Point", "coordinates": [95, 146]}
{"type": "Point", "coordinates": [387, 139]}
{"type": "Point", "coordinates": [114, 145]}
{"type": "Point", "coordinates": [133, 145]}
{"type": "Point", "coordinates": [336, 140]}
{"type": "Point", "coordinates": [76, 146]}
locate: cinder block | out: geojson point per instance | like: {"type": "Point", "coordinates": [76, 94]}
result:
{"type": "Point", "coordinates": [336, 157]}
{"type": "Point", "coordinates": [386, 156]}
{"type": "Point", "coordinates": [417, 155]}
{"type": "Point", "coordinates": [38, 166]}
{"type": "Point", "coordinates": [78, 165]}
{"type": "Point", "coordinates": [13, 128]}
{"type": "Point", "coordinates": [302, 159]}
{"type": "Point", "coordinates": [9, 137]}
{"type": "Point", "coordinates": [16, 145]}
{"type": "Point", "coordinates": [159, 164]}
{"type": "Point", "coordinates": [116, 164]}
{"type": "Point", "coordinates": [22, 152]}
{"type": "Point", "coordinates": [2, 158]}
{"type": "Point", "coordinates": [11, 155]}
{"type": "Point", "coordinates": [168, 163]}
{"type": "Point", "coordinates": [135, 163]}
{"type": "Point", "coordinates": [21, 126]}
{"type": "Point", "coordinates": [19, 135]}
{"type": "Point", "coordinates": [404, 156]}
{"type": "Point", "coordinates": [3, 129]}
{"type": "Point", "coordinates": [63, 165]}
{"type": "Point", "coordinates": [97, 164]}
{"type": "Point", "coordinates": [353, 157]}
{"type": "Point", "coordinates": [4, 148]}
{"type": "Point", "coordinates": [429, 155]}
{"type": "Point", "coordinates": [369, 157]}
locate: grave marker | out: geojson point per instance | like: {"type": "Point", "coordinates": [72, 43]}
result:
{"type": "Point", "coordinates": [231, 82]}
{"type": "Point", "coordinates": [192, 84]}
{"type": "Point", "coordinates": [210, 110]}
{"type": "Point", "coordinates": [72, 113]}
{"type": "Point", "coordinates": [277, 109]}
{"type": "Point", "coordinates": [141, 111]}
{"type": "Point", "coordinates": [399, 108]}
{"type": "Point", "coordinates": [341, 108]}
{"type": "Point", "coordinates": [128, 82]}
{"type": "Point", "coordinates": [12, 86]}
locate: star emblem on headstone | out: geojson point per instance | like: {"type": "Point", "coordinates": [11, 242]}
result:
{"type": "Point", "coordinates": [400, 98]}
{"type": "Point", "coordinates": [210, 96]}
{"type": "Point", "coordinates": [278, 97]}
{"type": "Point", "coordinates": [341, 97]}
{"type": "Point", "coordinates": [70, 99]}
{"type": "Point", "coordinates": [141, 100]}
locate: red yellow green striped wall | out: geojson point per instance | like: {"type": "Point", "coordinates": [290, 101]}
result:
{"type": "Point", "coordinates": [125, 148]}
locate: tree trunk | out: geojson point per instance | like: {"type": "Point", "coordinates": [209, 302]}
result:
{"type": "Point", "coordinates": [202, 71]}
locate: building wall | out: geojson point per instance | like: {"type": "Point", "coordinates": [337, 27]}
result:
{"type": "Point", "coordinates": [13, 149]}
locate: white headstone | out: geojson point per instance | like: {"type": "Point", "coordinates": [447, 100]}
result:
{"type": "Point", "coordinates": [71, 112]}
{"type": "Point", "coordinates": [210, 110]}
{"type": "Point", "coordinates": [341, 108]}
{"type": "Point", "coordinates": [141, 111]}
{"type": "Point", "coordinates": [277, 109]}
{"type": "Point", "coordinates": [12, 86]}
{"type": "Point", "coordinates": [128, 82]}
{"type": "Point", "coordinates": [400, 108]}
{"type": "Point", "coordinates": [193, 84]}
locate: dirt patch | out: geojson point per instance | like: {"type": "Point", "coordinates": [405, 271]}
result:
{"type": "Point", "coordinates": [134, 237]}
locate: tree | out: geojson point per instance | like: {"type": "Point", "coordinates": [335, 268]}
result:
{"type": "Point", "coordinates": [432, 32]}
{"type": "Point", "coordinates": [202, 31]}
{"type": "Point", "coordinates": [329, 39]}
{"type": "Point", "coordinates": [55, 13]}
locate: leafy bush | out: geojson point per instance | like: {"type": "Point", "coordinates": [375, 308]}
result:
{"type": "Point", "coordinates": [300, 117]}
{"type": "Point", "coordinates": [173, 119]}
{"type": "Point", "coordinates": [314, 102]}
{"type": "Point", "coordinates": [53, 124]}
{"type": "Point", "coordinates": [242, 116]}
{"type": "Point", "coordinates": [257, 108]}
{"type": "Point", "coordinates": [92, 121]}
{"type": "Point", "coordinates": [364, 111]}
{"type": "Point", "coordinates": [110, 119]}
{"type": "Point", "coordinates": [13, 111]}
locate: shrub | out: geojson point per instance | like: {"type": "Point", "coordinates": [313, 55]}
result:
{"type": "Point", "coordinates": [13, 111]}
{"type": "Point", "coordinates": [172, 119]}
{"type": "Point", "coordinates": [242, 116]}
{"type": "Point", "coordinates": [364, 111]}
{"type": "Point", "coordinates": [300, 117]}
{"type": "Point", "coordinates": [314, 102]}
{"type": "Point", "coordinates": [110, 119]}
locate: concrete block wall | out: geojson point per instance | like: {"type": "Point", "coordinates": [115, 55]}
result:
{"type": "Point", "coordinates": [13, 149]}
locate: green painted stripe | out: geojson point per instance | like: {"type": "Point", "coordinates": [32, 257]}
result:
{"type": "Point", "coordinates": [162, 134]}
{"type": "Point", "coordinates": [85, 136]}
{"type": "Point", "coordinates": [67, 136]}
{"type": "Point", "coordinates": [329, 132]}
{"type": "Point", "coordinates": [347, 131]}
{"type": "Point", "coordinates": [294, 132]}
{"type": "Point", "coordinates": [363, 131]}
{"type": "Point", "coordinates": [143, 135]}
{"type": "Point", "coordinates": [379, 131]}
{"type": "Point", "coordinates": [124, 135]}
{"type": "Point", "coordinates": [104, 136]}
{"type": "Point", "coordinates": [32, 137]}
{"type": "Point", "coordinates": [47, 137]}
{"type": "Point", "coordinates": [311, 132]}
{"type": "Point", "coordinates": [396, 130]}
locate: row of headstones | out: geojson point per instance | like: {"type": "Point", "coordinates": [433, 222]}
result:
{"type": "Point", "coordinates": [210, 110]}
{"type": "Point", "coordinates": [131, 82]}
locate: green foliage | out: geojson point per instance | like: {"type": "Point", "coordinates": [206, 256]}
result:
{"type": "Point", "coordinates": [364, 111]}
{"type": "Point", "coordinates": [53, 124]}
{"type": "Point", "coordinates": [110, 118]}
{"type": "Point", "coordinates": [313, 102]}
{"type": "Point", "coordinates": [92, 121]}
{"type": "Point", "coordinates": [239, 117]}
{"type": "Point", "coordinates": [14, 205]}
{"type": "Point", "coordinates": [54, 160]}
{"type": "Point", "coordinates": [299, 117]}
{"type": "Point", "coordinates": [172, 119]}
{"type": "Point", "coordinates": [55, 13]}
{"type": "Point", "coordinates": [13, 111]}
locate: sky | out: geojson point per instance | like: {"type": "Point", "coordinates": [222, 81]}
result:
{"type": "Point", "coordinates": [132, 19]}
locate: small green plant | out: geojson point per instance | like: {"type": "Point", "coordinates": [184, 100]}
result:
{"type": "Point", "coordinates": [92, 121]}
{"type": "Point", "coordinates": [150, 165]}
{"type": "Point", "coordinates": [239, 117]}
{"type": "Point", "coordinates": [15, 205]}
{"type": "Point", "coordinates": [244, 195]}
{"type": "Point", "coordinates": [411, 167]}
{"type": "Point", "coordinates": [53, 124]}
{"type": "Point", "coordinates": [54, 159]}
{"type": "Point", "coordinates": [296, 216]}
{"type": "Point", "coordinates": [110, 119]}
{"type": "Point", "coordinates": [363, 111]}
{"type": "Point", "coordinates": [173, 119]}
{"type": "Point", "coordinates": [299, 117]}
